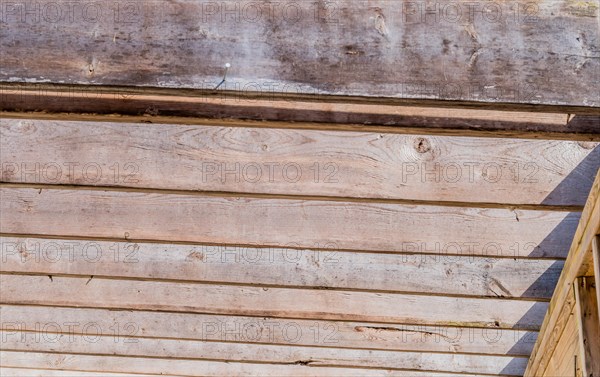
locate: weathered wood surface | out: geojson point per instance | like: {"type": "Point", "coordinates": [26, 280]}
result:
{"type": "Point", "coordinates": [298, 162]}
{"type": "Point", "coordinates": [542, 52]}
{"type": "Point", "coordinates": [542, 357]}
{"type": "Point", "coordinates": [578, 263]}
{"type": "Point", "coordinates": [116, 364]}
{"type": "Point", "coordinates": [275, 302]}
{"type": "Point", "coordinates": [564, 359]}
{"type": "Point", "coordinates": [588, 325]}
{"type": "Point", "coordinates": [91, 344]}
{"type": "Point", "coordinates": [450, 275]}
{"type": "Point", "coordinates": [269, 330]}
{"type": "Point", "coordinates": [199, 107]}
{"type": "Point", "coordinates": [596, 262]}
{"type": "Point", "coordinates": [286, 222]}
{"type": "Point", "coordinates": [20, 372]}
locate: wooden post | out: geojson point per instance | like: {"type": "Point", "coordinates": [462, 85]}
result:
{"type": "Point", "coordinates": [596, 252]}
{"type": "Point", "coordinates": [586, 310]}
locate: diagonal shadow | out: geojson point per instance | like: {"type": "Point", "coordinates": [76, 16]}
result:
{"type": "Point", "coordinates": [576, 186]}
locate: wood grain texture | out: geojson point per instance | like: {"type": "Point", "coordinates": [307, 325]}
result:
{"type": "Point", "coordinates": [298, 162]}
{"type": "Point", "coordinates": [286, 222]}
{"type": "Point", "coordinates": [319, 269]}
{"type": "Point", "coordinates": [116, 345]}
{"type": "Point", "coordinates": [576, 128]}
{"type": "Point", "coordinates": [159, 105]}
{"type": "Point", "coordinates": [28, 372]}
{"type": "Point", "coordinates": [596, 261]}
{"type": "Point", "coordinates": [269, 330]}
{"type": "Point", "coordinates": [275, 302]}
{"type": "Point", "coordinates": [578, 263]}
{"type": "Point", "coordinates": [588, 325]}
{"type": "Point", "coordinates": [565, 357]}
{"type": "Point", "coordinates": [192, 368]}
{"type": "Point", "coordinates": [542, 357]}
{"type": "Point", "coordinates": [494, 52]}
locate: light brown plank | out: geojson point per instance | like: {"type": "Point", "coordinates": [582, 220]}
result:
{"type": "Point", "coordinates": [596, 261]}
{"type": "Point", "coordinates": [115, 364]}
{"type": "Point", "coordinates": [563, 360]}
{"type": "Point", "coordinates": [73, 102]}
{"type": "Point", "coordinates": [588, 325]}
{"type": "Point", "coordinates": [451, 275]}
{"type": "Point", "coordinates": [275, 302]}
{"type": "Point", "coordinates": [503, 52]}
{"type": "Point", "coordinates": [27, 372]}
{"type": "Point", "coordinates": [298, 162]}
{"type": "Point", "coordinates": [578, 263]}
{"type": "Point", "coordinates": [535, 125]}
{"type": "Point", "coordinates": [286, 222]}
{"type": "Point", "coordinates": [268, 330]}
{"type": "Point", "coordinates": [116, 345]}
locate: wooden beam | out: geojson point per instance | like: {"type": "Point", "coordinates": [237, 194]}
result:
{"type": "Point", "coordinates": [276, 302]}
{"type": "Point", "coordinates": [578, 263]}
{"type": "Point", "coordinates": [192, 368]}
{"type": "Point", "coordinates": [271, 330]}
{"type": "Point", "coordinates": [433, 121]}
{"type": "Point", "coordinates": [465, 51]}
{"type": "Point", "coordinates": [588, 325]}
{"type": "Point", "coordinates": [117, 345]}
{"type": "Point", "coordinates": [298, 162]}
{"type": "Point", "coordinates": [563, 360]}
{"type": "Point", "coordinates": [596, 261]}
{"type": "Point", "coordinates": [319, 269]}
{"type": "Point", "coordinates": [20, 372]}
{"type": "Point", "coordinates": [235, 220]}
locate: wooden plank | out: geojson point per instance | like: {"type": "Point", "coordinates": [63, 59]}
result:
{"type": "Point", "coordinates": [275, 302]}
{"type": "Point", "coordinates": [492, 52]}
{"type": "Point", "coordinates": [298, 162]}
{"type": "Point", "coordinates": [588, 325]}
{"type": "Point", "coordinates": [430, 120]}
{"type": "Point", "coordinates": [27, 372]}
{"type": "Point", "coordinates": [269, 330]}
{"type": "Point", "coordinates": [451, 275]}
{"type": "Point", "coordinates": [554, 336]}
{"type": "Point", "coordinates": [596, 261]}
{"type": "Point", "coordinates": [90, 343]}
{"type": "Point", "coordinates": [563, 358]}
{"type": "Point", "coordinates": [115, 364]}
{"type": "Point", "coordinates": [578, 263]}
{"type": "Point", "coordinates": [239, 220]}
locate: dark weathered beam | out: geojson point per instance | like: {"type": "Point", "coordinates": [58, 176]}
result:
{"type": "Point", "coordinates": [494, 51]}
{"type": "Point", "coordinates": [320, 112]}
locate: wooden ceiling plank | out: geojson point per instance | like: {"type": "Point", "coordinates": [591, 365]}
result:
{"type": "Point", "coordinates": [89, 343]}
{"type": "Point", "coordinates": [319, 269]}
{"type": "Point", "coordinates": [191, 368]}
{"type": "Point", "coordinates": [275, 302]}
{"type": "Point", "coordinates": [29, 372]}
{"type": "Point", "coordinates": [269, 330]}
{"type": "Point", "coordinates": [298, 162]}
{"type": "Point", "coordinates": [237, 220]}
{"type": "Point", "coordinates": [549, 126]}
